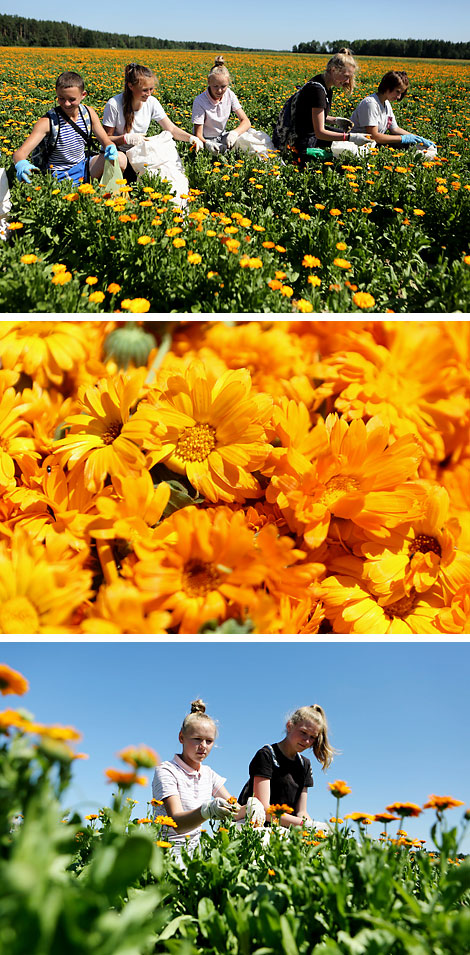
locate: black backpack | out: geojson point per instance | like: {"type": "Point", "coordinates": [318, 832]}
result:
{"type": "Point", "coordinates": [284, 133]}
{"type": "Point", "coordinates": [43, 151]}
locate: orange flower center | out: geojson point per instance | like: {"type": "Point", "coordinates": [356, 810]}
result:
{"type": "Point", "coordinates": [112, 432]}
{"type": "Point", "coordinates": [199, 578]}
{"type": "Point", "coordinates": [18, 616]}
{"type": "Point", "coordinates": [196, 443]}
{"type": "Point", "coordinates": [336, 487]}
{"type": "Point", "coordinates": [403, 606]}
{"type": "Point", "coordinates": [423, 544]}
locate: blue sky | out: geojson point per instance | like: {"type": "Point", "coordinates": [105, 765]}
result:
{"type": "Point", "coordinates": [268, 23]}
{"type": "Point", "coordinates": [397, 712]}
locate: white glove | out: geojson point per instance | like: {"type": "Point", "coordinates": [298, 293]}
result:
{"type": "Point", "coordinates": [255, 811]}
{"type": "Point", "coordinates": [218, 808]}
{"type": "Point", "coordinates": [232, 137]}
{"type": "Point", "coordinates": [195, 141]}
{"type": "Point", "coordinates": [133, 139]}
{"type": "Point", "coordinates": [314, 824]}
{"type": "Point", "coordinates": [360, 139]}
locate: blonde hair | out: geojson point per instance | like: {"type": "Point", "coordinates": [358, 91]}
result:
{"type": "Point", "coordinates": [198, 712]}
{"type": "Point", "coordinates": [341, 61]}
{"type": "Point", "coordinates": [219, 70]}
{"type": "Point", "coordinates": [322, 749]}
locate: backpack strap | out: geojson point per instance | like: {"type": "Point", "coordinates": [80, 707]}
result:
{"type": "Point", "coordinates": [275, 761]}
{"type": "Point", "coordinates": [87, 120]}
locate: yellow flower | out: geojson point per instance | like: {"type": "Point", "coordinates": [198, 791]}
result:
{"type": "Point", "coordinates": [96, 297]}
{"type": "Point", "coordinates": [339, 788]}
{"type": "Point", "coordinates": [91, 280]}
{"type": "Point", "coordinates": [105, 438]}
{"type": "Point", "coordinates": [136, 305]}
{"type": "Point", "coordinates": [36, 595]}
{"type": "Point", "coordinates": [140, 756]}
{"type": "Point", "coordinates": [287, 291]}
{"type": "Point", "coordinates": [311, 262]}
{"type": "Point", "coordinates": [419, 212]}
{"type": "Point", "coordinates": [14, 225]}
{"type": "Point", "coordinates": [342, 263]}
{"type": "Point", "coordinates": [363, 300]}
{"type": "Point", "coordinates": [11, 681]}
{"type": "Point", "coordinates": [248, 262]}
{"type": "Point", "coordinates": [173, 230]}
{"type": "Point", "coordinates": [303, 305]}
{"type": "Point", "coordinates": [314, 280]}
{"type": "Point", "coordinates": [47, 351]}
{"type": "Point", "coordinates": [179, 243]}
{"type": "Point", "coordinates": [194, 258]}
{"type": "Point", "coordinates": [61, 278]}
{"type": "Point", "coordinates": [215, 431]}
{"type": "Point", "coordinates": [145, 239]}
{"type": "Point", "coordinates": [29, 259]}
{"type": "Point", "coordinates": [113, 288]}
{"type": "Point", "coordinates": [335, 212]}
{"type": "Point", "coordinates": [341, 246]}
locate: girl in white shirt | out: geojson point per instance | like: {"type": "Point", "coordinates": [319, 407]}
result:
{"type": "Point", "coordinates": [127, 116]}
{"type": "Point", "coordinates": [374, 114]}
{"type": "Point", "coordinates": [190, 791]}
{"type": "Point", "coordinates": [212, 109]}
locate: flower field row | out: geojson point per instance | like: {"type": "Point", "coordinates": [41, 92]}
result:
{"type": "Point", "coordinates": [387, 233]}
{"type": "Point", "coordinates": [235, 477]}
{"type": "Point", "coordinates": [107, 883]}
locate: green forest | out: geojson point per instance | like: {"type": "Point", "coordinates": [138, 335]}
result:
{"type": "Point", "coordinates": [431, 49]}
{"type": "Point", "coordinates": [26, 31]}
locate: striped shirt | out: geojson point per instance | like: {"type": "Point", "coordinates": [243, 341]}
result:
{"type": "Point", "coordinates": [70, 146]}
{"type": "Point", "coordinates": [193, 786]}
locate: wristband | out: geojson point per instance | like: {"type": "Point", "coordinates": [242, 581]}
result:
{"type": "Point", "coordinates": [344, 137]}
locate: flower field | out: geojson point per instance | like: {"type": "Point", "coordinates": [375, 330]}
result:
{"type": "Point", "coordinates": [278, 477]}
{"type": "Point", "coordinates": [388, 233]}
{"type": "Point", "coordinates": [107, 884]}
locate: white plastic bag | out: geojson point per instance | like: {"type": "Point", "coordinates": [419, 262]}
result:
{"type": "Point", "coordinates": [255, 141]}
{"type": "Point", "coordinates": [339, 148]}
{"type": "Point", "coordinates": [158, 154]}
{"type": "Point", "coordinates": [5, 204]}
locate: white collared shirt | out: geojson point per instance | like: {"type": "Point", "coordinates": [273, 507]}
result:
{"type": "Point", "coordinates": [214, 115]}
{"type": "Point", "coordinates": [193, 786]}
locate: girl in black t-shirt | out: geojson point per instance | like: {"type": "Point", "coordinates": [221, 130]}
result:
{"type": "Point", "coordinates": [280, 775]}
{"type": "Point", "coordinates": [313, 104]}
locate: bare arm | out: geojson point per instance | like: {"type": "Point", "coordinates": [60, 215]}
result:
{"type": "Point", "coordinates": [186, 819]}
{"type": "Point", "coordinates": [99, 131]}
{"type": "Point", "coordinates": [179, 134]}
{"type": "Point", "coordinates": [318, 122]}
{"type": "Point", "coordinates": [117, 140]}
{"type": "Point", "coordinates": [382, 139]}
{"type": "Point", "coordinates": [198, 128]}
{"type": "Point", "coordinates": [244, 123]}
{"type": "Point", "coordinates": [39, 130]}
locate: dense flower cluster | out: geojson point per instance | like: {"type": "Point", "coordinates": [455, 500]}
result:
{"type": "Point", "coordinates": [274, 477]}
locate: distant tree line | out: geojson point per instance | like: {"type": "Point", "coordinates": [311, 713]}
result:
{"type": "Point", "coordinates": [25, 31]}
{"type": "Point", "coordinates": [431, 49]}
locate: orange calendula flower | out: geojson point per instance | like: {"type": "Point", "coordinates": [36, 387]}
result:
{"type": "Point", "coordinates": [56, 732]}
{"type": "Point", "coordinates": [165, 821]}
{"type": "Point", "coordinates": [456, 617]}
{"type": "Point", "coordinates": [279, 809]}
{"type": "Point", "coordinates": [442, 802]}
{"type": "Point", "coordinates": [38, 595]}
{"type": "Point", "coordinates": [357, 475]}
{"type": "Point", "coordinates": [350, 608]}
{"type": "Point", "coordinates": [11, 681]}
{"type": "Point", "coordinates": [363, 299]}
{"type": "Point", "coordinates": [339, 788]}
{"type": "Point", "coordinates": [385, 817]}
{"type": "Point", "coordinates": [361, 817]}
{"type": "Point", "coordinates": [369, 379]}
{"type": "Point", "coordinates": [124, 780]}
{"type": "Point", "coordinates": [200, 565]}
{"type": "Point", "coordinates": [215, 431]}
{"type": "Point", "coordinates": [106, 438]}
{"type": "Point", "coordinates": [404, 809]}
{"type": "Point", "coordinates": [46, 351]}
{"type": "Point", "coordinates": [140, 756]}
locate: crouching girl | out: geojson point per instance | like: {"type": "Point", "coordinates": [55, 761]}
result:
{"type": "Point", "coordinates": [212, 109]}
{"type": "Point", "coordinates": [190, 791]}
{"type": "Point", "coordinates": [374, 114]}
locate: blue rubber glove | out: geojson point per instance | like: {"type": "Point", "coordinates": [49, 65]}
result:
{"type": "Point", "coordinates": [410, 139]}
{"type": "Point", "coordinates": [111, 152]}
{"type": "Point", "coordinates": [23, 168]}
{"type": "Point", "coordinates": [425, 142]}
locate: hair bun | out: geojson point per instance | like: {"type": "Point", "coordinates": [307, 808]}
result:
{"type": "Point", "coordinates": [219, 61]}
{"type": "Point", "coordinates": [198, 706]}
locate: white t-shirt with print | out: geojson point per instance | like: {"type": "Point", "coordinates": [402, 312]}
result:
{"type": "Point", "coordinates": [371, 112]}
{"type": "Point", "coordinates": [113, 115]}
{"type": "Point", "coordinates": [213, 115]}
{"type": "Point", "coordinates": [194, 786]}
